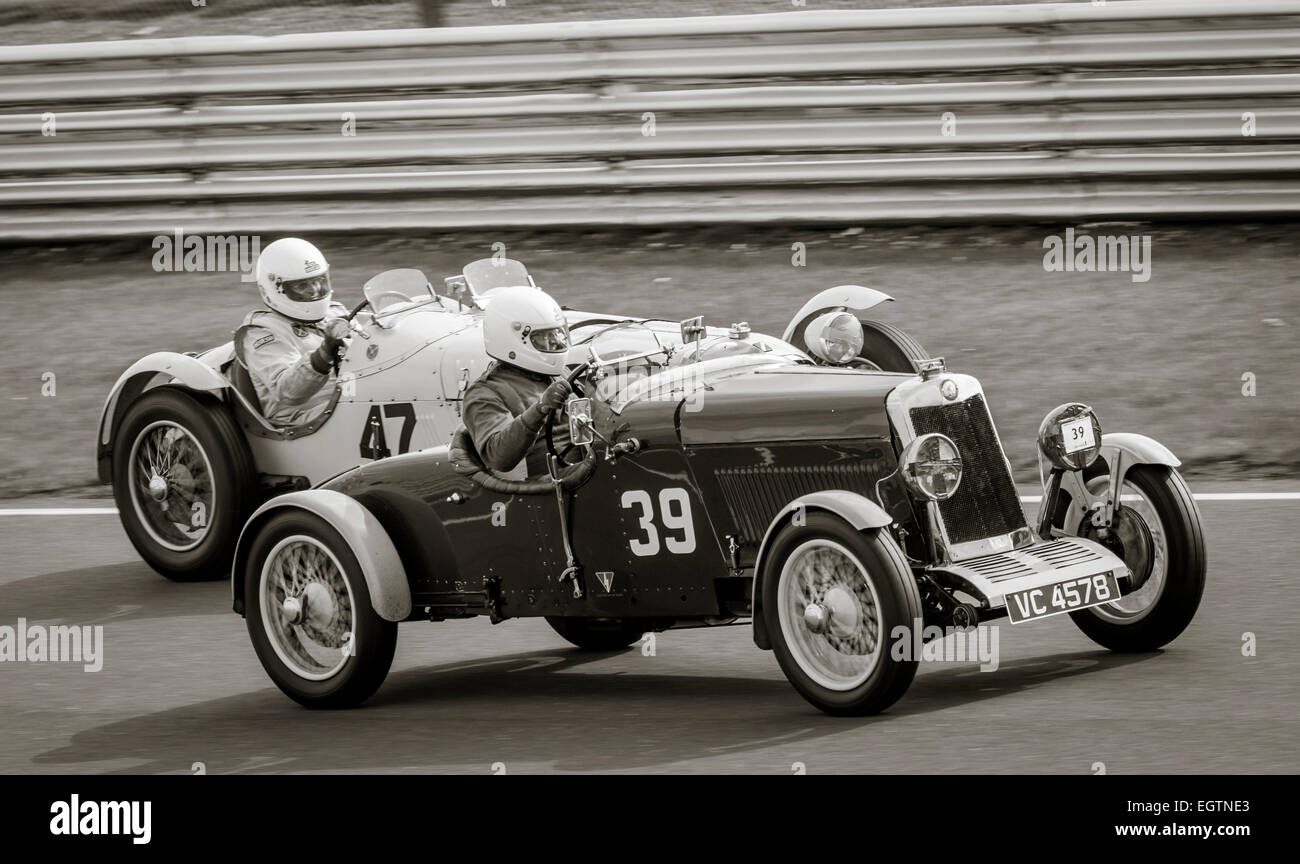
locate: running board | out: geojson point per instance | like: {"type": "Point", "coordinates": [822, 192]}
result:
{"type": "Point", "coordinates": [991, 577]}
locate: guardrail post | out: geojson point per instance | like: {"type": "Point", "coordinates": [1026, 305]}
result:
{"type": "Point", "coordinates": [432, 13]}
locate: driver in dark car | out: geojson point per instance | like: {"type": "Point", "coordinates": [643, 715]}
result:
{"type": "Point", "coordinates": [506, 410]}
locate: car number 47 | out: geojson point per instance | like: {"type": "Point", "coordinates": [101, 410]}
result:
{"type": "Point", "coordinates": [674, 514]}
{"type": "Point", "coordinates": [374, 443]}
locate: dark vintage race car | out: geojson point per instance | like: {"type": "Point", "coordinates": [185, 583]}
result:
{"type": "Point", "coordinates": [841, 509]}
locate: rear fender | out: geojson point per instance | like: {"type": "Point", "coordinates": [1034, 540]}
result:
{"type": "Point", "coordinates": [857, 298]}
{"type": "Point", "coordinates": [183, 370]}
{"type": "Point", "coordinates": [390, 593]}
{"type": "Point", "coordinates": [857, 510]}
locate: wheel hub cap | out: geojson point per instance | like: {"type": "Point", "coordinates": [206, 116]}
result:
{"type": "Point", "coordinates": [843, 612]}
{"type": "Point", "coordinates": [157, 487]}
{"type": "Point", "coordinates": [318, 604]}
{"type": "Point", "coordinates": [1129, 538]}
{"type": "Point", "coordinates": [292, 609]}
{"type": "Point", "coordinates": [816, 616]}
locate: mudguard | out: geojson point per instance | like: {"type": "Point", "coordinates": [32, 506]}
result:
{"type": "Point", "coordinates": [390, 593]}
{"type": "Point", "coordinates": [859, 511]}
{"type": "Point", "coordinates": [185, 370]}
{"type": "Point", "coordinates": [1130, 448]}
{"type": "Point", "coordinates": [858, 298]}
{"type": "Point", "coordinates": [1121, 451]}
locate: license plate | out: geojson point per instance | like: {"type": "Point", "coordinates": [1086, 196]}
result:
{"type": "Point", "coordinates": [1068, 596]}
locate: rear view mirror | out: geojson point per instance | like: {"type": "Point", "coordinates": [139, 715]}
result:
{"type": "Point", "coordinates": [458, 289]}
{"type": "Point", "coordinates": [693, 329]}
{"type": "Point", "coordinates": [581, 431]}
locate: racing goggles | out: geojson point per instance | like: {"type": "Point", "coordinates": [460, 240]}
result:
{"type": "Point", "coordinates": [306, 290]}
{"type": "Point", "coordinates": [552, 340]}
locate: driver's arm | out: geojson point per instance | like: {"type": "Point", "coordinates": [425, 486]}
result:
{"type": "Point", "coordinates": [501, 438]}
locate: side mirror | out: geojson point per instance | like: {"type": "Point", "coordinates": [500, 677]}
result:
{"type": "Point", "coordinates": [693, 329]}
{"type": "Point", "coordinates": [581, 428]}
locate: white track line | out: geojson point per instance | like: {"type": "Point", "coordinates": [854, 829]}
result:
{"type": "Point", "coordinates": [1208, 496]}
{"type": "Point", "coordinates": [1025, 499]}
{"type": "Point", "coordinates": [60, 511]}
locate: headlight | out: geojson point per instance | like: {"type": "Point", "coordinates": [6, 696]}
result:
{"type": "Point", "coordinates": [1070, 436]}
{"type": "Point", "coordinates": [835, 337]}
{"type": "Point", "coordinates": [931, 467]}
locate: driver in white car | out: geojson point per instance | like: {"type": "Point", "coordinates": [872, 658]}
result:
{"type": "Point", "coordinates": [506, 410]}
{"type": "Point", "coordinates": [291, 349]}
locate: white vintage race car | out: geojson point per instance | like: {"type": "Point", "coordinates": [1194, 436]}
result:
{"type": "Point", "coordinates": [189, 454]}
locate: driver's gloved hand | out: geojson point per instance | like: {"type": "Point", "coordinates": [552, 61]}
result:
{"type": "Point", "coordinates": [556, 396]}
{"type": "Point", "coordinates": [331, 349]}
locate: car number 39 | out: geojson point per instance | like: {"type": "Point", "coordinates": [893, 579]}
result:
{"type": "Point", "coordinates": [674, 514]}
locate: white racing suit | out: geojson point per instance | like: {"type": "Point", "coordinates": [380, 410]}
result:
{"type": "Point", "coordinates": [276, 351]}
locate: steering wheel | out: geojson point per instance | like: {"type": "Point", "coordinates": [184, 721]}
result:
{"type": "Point", "coordinates": [550, 435]}
{"type": "Point", "coordinates": [381, 295]}
{"type": "Point", "coordinates": [357, 308]}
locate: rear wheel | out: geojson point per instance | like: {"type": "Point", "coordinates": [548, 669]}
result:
{"type": "Point", "coordinates": [834, 600]}
{"type": "Point", "coordinates": [309, 614]}
{"type": "Point", "coordinates": [889, 349]}
{"type": "Point", "coordinates": [183, 481]}
{"type": "Point", "coordinates": [1157, 531]}
{"type": "Point", "coordinates": [597, 634]}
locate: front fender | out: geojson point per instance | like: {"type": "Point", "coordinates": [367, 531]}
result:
{"type": "Point", "coordinates": [1132, 449]}
{"type": "Point", "coordinates": [859, 511]}
{"type": "Point", "coordinates": [858, 298]}
{"type": "Point", "coordinates": [185, 370]}
{"type": "Point", "coordinates": [390, 593]}
{"type": "Point", "coordinates": [1120, 451]}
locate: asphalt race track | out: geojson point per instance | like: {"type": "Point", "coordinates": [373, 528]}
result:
{"type": "Point", "coordinates": [180, 684]}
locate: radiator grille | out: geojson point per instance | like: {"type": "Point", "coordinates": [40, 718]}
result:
{"type": "Point", "coordinates": [986, 503]}
{"type": "Point", "coordinates": [755, 495]}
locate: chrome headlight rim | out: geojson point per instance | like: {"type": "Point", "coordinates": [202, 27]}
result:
{"type": "Point", "coordinates": [911, 458]}
{"type": "Point", "coordinates": [1052, 439]}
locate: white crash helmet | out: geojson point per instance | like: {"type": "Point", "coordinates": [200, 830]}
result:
{"type": "Point", "coordinates": [294, 279]}
{"type": "Point", "coordinates": [523, 326]}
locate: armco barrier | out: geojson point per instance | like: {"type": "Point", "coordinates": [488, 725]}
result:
{"type": "Point", "coordinates": [1133, 109]}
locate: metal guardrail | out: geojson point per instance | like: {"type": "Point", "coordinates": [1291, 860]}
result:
{"type": "Point", "coordinates": [1066, 111]}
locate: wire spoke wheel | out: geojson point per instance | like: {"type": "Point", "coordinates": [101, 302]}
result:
{"type": "Point", "coordinates": [309, 609]}
{"type": "Point", "coordinates": [1138, 536]}
{"type": "Point", "coordinates": [307, 606]}
{"type": "Point", "coordinates": [1157, 530]}
{"type": "Point", "coordinates": [184, 481]}
{"type": "Point", "coordinates": [171, 485]}
{"type": "Point", "coordinates": [834, 600]}
{"type": "Point", "coordinates": [830, 611]}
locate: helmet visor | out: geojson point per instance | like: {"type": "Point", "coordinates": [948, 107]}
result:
{"type": "Point", "coordinates": [307, 290]}
{"type": "Point", "coordinates": [551, 340]}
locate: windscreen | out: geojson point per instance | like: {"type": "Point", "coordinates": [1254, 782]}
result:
{"type": "Point", "coordinates": [488, 274]}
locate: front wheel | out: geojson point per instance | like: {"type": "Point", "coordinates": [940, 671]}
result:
{"type": "Point", "coordinates": [597, 634]}
{"type": "Point", "coordinates": [836, 602]}
{"type": "Point", "coordinates": [1157, 531]}
{"type": "Point", "coordinates": [309, 614]}
{"type": "Point", "coordinates": [183, 481]}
